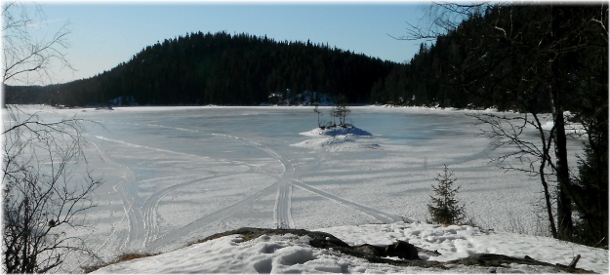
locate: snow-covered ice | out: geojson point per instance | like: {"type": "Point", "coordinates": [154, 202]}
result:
{"type": "Point", "coordinates": [173, 175]}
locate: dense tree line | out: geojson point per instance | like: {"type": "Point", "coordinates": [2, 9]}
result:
{"type": "Point", "coordinates": [446, 73]}
{"type": "Point", "coordinates": [538, 60]}
{"type": "Point", "coordinates": [226, 69]}
{"type": "Point", "coordinates": [478, 64]}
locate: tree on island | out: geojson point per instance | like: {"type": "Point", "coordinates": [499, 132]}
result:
{"type": "Point", "coordinates": [339, 112]}
{"type": "Point", "coordinates": [319, 113]}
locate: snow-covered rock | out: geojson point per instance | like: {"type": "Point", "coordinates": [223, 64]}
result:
{"type": "Point", "coordinates": [337, 139]}
{"type": "Point", "coordinates": [291, 253]}
{"type": "Point", "coordinates": [337, 131]}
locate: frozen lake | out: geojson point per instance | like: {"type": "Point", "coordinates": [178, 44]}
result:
{"type": "Point", "coordinates": [173, 175]}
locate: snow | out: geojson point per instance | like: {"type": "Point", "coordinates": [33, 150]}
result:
{"type": "Point", "coordinates": [174, 175]}
{"type": "Point", "coordinates": [337, 139]}
{"type": "Point", "coordinates": [292, 254]}
{"type": "Point", "coordinates": [571, 129]}
{"type": "Point", "coordinates": [460, 241]}
{"type": "Point", "coordinates": [337, 131]}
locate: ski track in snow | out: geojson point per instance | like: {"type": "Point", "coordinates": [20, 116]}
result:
{"type": "Point", "coordinates": [150, 241]}
{"type": "Point", "coordinates": [152, 203]}
{"type": "Point", "coordinates": [212, 217]}
{"type": "Point", "coordinates": [143, 231]}
{"type": "Point", "coordinates": [379, 215]}
{"type": "Point", "coordinates": [133, 219]}
{"type": "Point", "coordinates": [141, 217]}
{"type": "Point", "coordinates": [119, 239]}
{"type": "Point", "coordinates": [282, 215]}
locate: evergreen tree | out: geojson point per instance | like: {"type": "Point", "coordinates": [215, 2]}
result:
{"type": "Point", "coordinates": [445, 208]}
{"type": "Point", "coordinates": [591, 198]}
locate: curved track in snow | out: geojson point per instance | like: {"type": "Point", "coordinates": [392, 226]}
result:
{"type": "Point", "coordinates": [379, 215]}
{"type": "Point", "coordinates": [282, 215]}
{"type": "Point", "coordinates": [124, 240]}
{"type": "Point", "coordinates": [140, 213]}
{"type": "Point", "coordinates": [117, 236]}
{"type": "Point", "coordinates": [152, 203]}
{"type": "Point", "coordinates": [143, 231]}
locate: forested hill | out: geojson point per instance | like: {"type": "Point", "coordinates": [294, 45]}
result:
{"type": "Point", "coordinates": [475, 65]}
{"type": "Point", "coordinates": [223, 69]}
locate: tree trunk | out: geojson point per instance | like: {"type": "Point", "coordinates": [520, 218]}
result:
{"type": "Point", "coordinates": [564, 203]}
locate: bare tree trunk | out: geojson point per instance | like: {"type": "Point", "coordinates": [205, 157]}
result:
{"type": "Point", "coordinates": [545, 158]}
{"type": "Point", "coordinates": [564, 203]}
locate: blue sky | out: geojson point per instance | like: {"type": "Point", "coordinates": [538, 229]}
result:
{"type": "Point", "coordinates": [105, 34]}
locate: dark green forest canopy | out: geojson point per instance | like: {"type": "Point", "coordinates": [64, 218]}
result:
{"type": "Point", "coordinates": [499, 56]}
{"type": "Point", "coordinates": [469, 67]}
{"type": "Point", "coordinates": [221, 69]}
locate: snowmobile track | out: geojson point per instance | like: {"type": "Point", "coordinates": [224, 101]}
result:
{"type": "Point", "coordinates": [379, 215]}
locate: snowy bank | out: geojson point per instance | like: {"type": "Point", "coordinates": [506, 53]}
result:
{"type": "Point", "coordinates": [460, 241]}
{"type": "Point", "coordinates": [290, 253]}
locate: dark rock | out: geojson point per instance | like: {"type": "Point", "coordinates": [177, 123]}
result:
{"type": "Point", "coordinates": [318, 239]}
{"type": "Point", "coordinates": [370, 250]}
{"type": "Point", "coordinates": [403, 250]}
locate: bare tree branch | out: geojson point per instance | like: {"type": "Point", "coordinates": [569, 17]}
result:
{"type": "Point", "coordinates": [42, 195]}
{"type": "Point", "coordinates": [27, 59]}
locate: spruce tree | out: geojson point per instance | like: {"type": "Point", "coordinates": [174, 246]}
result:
{"type": "Point", "coordinates": [445, 208]}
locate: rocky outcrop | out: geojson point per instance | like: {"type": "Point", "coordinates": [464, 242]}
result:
{"type": "Point", "coordinates": [407, 254]}
{"type": "Point", "coordinates": [400, 249]}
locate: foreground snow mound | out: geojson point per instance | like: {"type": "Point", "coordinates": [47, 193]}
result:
{"type": "Point", "coordinates": [290, 253]}
{"type": "Point", "coordinates": [461, 241]}
{"type": "Point", "coordinates": [231, 254]}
